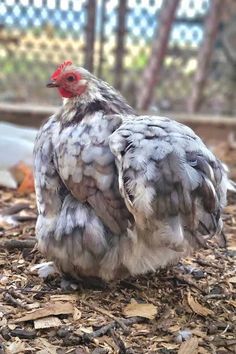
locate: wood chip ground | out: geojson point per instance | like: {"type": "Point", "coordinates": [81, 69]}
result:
{"type": "Point", "coordinates": [186, 309]}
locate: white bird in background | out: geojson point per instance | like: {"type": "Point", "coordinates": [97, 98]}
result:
{"type": "Point", "coordinates": [16, 156]}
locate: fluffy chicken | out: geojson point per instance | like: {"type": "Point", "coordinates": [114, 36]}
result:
{"type": "Point", "coordinates": [118, 193]}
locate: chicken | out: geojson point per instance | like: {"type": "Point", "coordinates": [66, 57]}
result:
{"type": "Point", "coordinates": [120, 194]}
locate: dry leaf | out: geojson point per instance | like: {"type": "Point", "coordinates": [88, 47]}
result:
{"type": "Point", "coordinates": [109, 342]}
{"type": "Point", "coordinates": [45, 346]}
{"type": "Point", "coordinates": [202, 350]}
{"type": "Point", "coordinates": [34, 305]}
{"type": "Point", "coordinates": [81, 351]}
{"type": "Point", "coordinates": [174, 328]}
{"type": "Point", "coordinates": [232, 302]}
{"type": "Point", "coordinates": [198, 308]}
{"type": "Point", "coordinates": [142, 310]}
{"type": "Point", "coordinates": [199, 333]}
{"type": "Point", "coordinates": [104, 311]}
{"type": "Point", "coordinates": [232, 280]}
{"type": "Point", "coordinates": [12, 326]}
{"type": "Point", "coordinates": [77, 314]}
{"type": "Point", "coordinates": [86, 329]}
{"type": "Point", "coordinates": [58, 308]}
{"type": "Point", "coordinates": [189, 347]}
{"type": "Point", "coordinates": [16, 347]}
{"type": "Point", "coordinates": [47, 322]}
{"type": "Point", "coordinates": [170, 346]}
{"type": "Point", "coordinates": [64, 297]}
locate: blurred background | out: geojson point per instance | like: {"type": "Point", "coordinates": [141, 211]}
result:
{"type": "Point", "coordinates": [171, 55]}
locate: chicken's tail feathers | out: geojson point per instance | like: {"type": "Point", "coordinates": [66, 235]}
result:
{"type": "Point", "coordinates": [231, 186]}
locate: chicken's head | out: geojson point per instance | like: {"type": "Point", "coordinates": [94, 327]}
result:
{"type": "Point", "coordinates": [70, 80]}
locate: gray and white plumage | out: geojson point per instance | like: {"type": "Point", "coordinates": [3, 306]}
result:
{"type": "Point", "coordinates": [122, 194]}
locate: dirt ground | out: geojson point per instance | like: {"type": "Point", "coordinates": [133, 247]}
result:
{"type": "Point", "coordinates": [186, 309]}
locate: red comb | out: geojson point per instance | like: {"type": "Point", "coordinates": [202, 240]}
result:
{"type": "Point", "coordinates": [60, 68]}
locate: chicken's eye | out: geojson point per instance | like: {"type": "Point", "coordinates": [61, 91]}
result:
{"type": "Point", "coordinates": [70, 78]}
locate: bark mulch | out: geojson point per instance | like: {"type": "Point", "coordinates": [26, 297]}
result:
{"type": "Point", "coordinates": [185, 309]}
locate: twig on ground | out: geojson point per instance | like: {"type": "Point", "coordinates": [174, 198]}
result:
{"type": "Point", "coordinates": [104, 329]}
{"type": "Point", "coordinates": [19, 244]}
{"type": "Point", "coordinates": [205, 263]}
{"type": "Point", "coordinates": [20, 296]}
{"type": "Point", "coordinates": [110, 315]}
{"type": "Point", "coordinates": [15, 302]}
{"type": "Point", "coordinates": [100, 351]}
{"type": "Point", "coordinates": [218, 296]}
{"type": "Point", "coordinates": [130, 285]}
{"type": "Point", "coordinates": [88, 337]}
{"type": "Point", "coordinates": [23, 333]}
{"type": "Point", "coordinates": [101, 331]}
{"type": "Point", "coordinates": [187, 280]}
{"type": "Point", "coordinates": [15, 209]}
{"type": "Point", "coordinates": [119, 342]}
{"type": "Point", "coordinates": [221, 342]}
{"type": "Point", "coordinates": [24, 218]}
{"type": "Point", "coordinates": [49, 291]}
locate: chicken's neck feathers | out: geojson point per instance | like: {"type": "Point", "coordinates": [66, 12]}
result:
{"type": "Point", "coordinates": [99, 97]}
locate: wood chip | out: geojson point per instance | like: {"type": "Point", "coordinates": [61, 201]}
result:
{"type": "Point", "coordinates": [45, 346]}
{"type": "Point", "coordinates": [47, 322]}
{"type": "Point", "coordinates": [95, 315]}
{"type": "Point", "coordinates": [77, 314]}
{"type": "Point", "coordinates": [198, 308]}
{"type": "Point", "coordinates": [232, 302]}
{"type": "Point", "coordinates": [64, 297]}
{"type": "Point", "coordinates": [174, 328]}
{"type": "Point", "coordinates": [189, 347]}
{"type": "Point", "coordinates": [199, 333]}
{"type": "Point", "coordinates": [86, 330]}
{"type": "Point", "coordinates": [142, 310]}
{"type": "Point", "coordinates": [232, 280]}
{"type": "Point", "coordinates": [169, 346]}
{"type": "Point", "coordinates": [58, 308]}
{"type": "Point", "coordinates": [18, 346]}
{"type": "Point", "coordinates": [202, 350]}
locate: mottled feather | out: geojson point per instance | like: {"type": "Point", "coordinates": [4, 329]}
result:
{"type": "Point", "coordinates": [122, 194]}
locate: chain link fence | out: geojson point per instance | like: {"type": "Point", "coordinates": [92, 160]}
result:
{"type": "Point", "coordinates": [113, 39]}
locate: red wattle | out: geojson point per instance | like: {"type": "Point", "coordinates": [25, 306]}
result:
{"type": "Point", "coordinates": [68, 94]}
{"type": "Point", "coordinates": [64, 93]}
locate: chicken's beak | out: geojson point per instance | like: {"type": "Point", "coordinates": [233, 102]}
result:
{"type": "Point", "coordinates": [52, 83]}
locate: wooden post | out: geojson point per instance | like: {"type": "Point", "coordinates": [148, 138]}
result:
{"type": "Point", "coordinates": [90, 34]}
{"type": "Point", "coordinates": [120, 48]}
{"type": "Point", "coordinates": [205, 53]}
{"type": "Point", "coordinates": [152, 71]}
{"type": "Point", "coordinates": [102, 38]}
